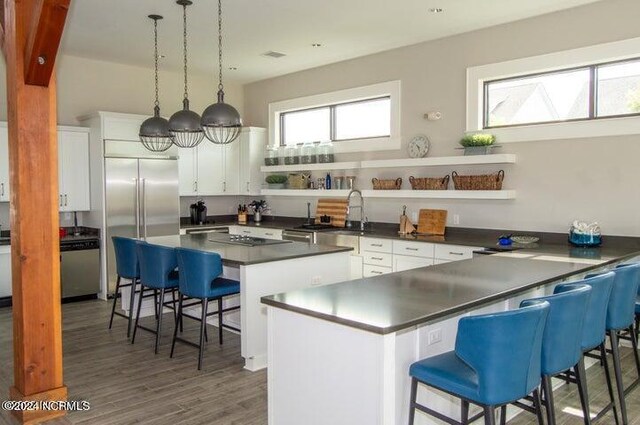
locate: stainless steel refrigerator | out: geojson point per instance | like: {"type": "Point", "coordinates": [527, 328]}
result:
{"type": "Point", "coordinates": [142, 200]}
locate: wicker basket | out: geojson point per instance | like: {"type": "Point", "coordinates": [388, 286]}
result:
{"type": "Point", "coordinates": [392, 184]}
{"type": "Point", "coordinates": [297, 181]}
{"type": "Point", "coordinates": [479, 182]}
{"type": "Point", "coordinates": [429, 183]}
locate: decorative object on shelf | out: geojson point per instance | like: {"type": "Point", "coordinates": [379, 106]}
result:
{"type": "Point", "coordinates": [276, 181]}
{"type": "Point", "coordinates": [584, 234]}
{"type": "Point", "coordinates": [524, 239]}
{"type": "Point", "coordinates": [291, 155]}
{"type": "Point", "coordinates": [390, 184]}
{"type": "Point", "coordinates": [154, 131]}
{"type": "Point", "coordinates": [327, 181]}
{"type": "Point", "coordinates": [271, 157]}
{"type": "Point", "coordinates": [221, 122]}
{"type": "Point", "coordinates": [351, 182]}
{"type": "Point", "coordinates": [505, 240]}
{"type": "Point", "coordinates": [320, 183]}
{"type": "Point", "coordinates": [338, 182]}
{"type": "Point", "coordinates": [325, 152]}
{"type": "Point", "coordinates": [184, 125]}
{"type": "Point", "coordinates": [406, 226]}
{"type": "Point", "coordinates": [298, 181]}
{"type": "Point", "coordinates": [419, 146]}
{"type": "Point", "coordinates": [478, 144]}
{"type": "Point", "coordinates": [429, 183]}
{"type": "Point", "coordinates": [432, 222]}
{"type": "Point", "coordinates": [478, 182]}
{"type": "Point", "coordinates": [308, 154]}
{"type": "Point", "coordinates": [258, 207]}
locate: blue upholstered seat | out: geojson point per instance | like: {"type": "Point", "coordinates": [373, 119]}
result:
{"type": "Point", "coordinates": [621, 311]}
{"type": "Point", "coordinates": [595, 320]}
{"type": "Point", "coordinates": [200, 275]}
{"type": "Point", "coordinates": [157, 266]}
{"type": "Point", "coordinates": [126, 257]}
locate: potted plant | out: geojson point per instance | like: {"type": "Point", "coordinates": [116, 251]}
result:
{"type": "Point", "coordinates": [276, 181]}
{"type": "Point", "coordinates": [478, 143]}
{"type": "Point", "coordinates": [258, 207]}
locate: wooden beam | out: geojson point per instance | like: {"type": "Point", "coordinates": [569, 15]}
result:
{"type": "Point", "coordinates": [35, 245]}
{"type": "Point", "coordinates": [47, 23]}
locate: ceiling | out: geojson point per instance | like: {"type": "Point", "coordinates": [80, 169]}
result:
{"type": "Point", "coordinates": [119, 30]}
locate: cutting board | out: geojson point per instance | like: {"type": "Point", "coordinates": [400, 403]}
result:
{"type": "Point", "coordinates": [334, 208]}
{"type": "Point", "coordinates": [432, 222]}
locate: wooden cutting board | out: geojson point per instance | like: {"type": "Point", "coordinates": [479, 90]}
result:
{"type": "Point", "coordinates": [432, 222]}
{"type": "Point", "coordinates": [334, 208]}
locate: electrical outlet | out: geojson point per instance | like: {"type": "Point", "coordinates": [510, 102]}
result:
{"type": "Point", "coordinates": [316, 280]}
{"type": "Point", "coordinates": [414, 217]}
{"type": "Point", "coordinates": [456, 219]}
{"type": "Point", "coordinates": [435, 336]}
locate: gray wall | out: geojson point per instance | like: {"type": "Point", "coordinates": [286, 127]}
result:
{"type": "Point", "coordinates": [557, 181]}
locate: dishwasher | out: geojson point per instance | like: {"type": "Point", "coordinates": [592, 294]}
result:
{"type": "Point", "coordinates": [80, 268]}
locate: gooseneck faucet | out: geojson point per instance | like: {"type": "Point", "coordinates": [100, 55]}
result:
{"type": "Point", "coordinates": [360, 207]}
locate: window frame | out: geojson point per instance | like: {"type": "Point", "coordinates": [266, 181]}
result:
{"type": "Point", "coordinates": [585, 57]}
{"type": "Point", "coordinates": [389, 89]}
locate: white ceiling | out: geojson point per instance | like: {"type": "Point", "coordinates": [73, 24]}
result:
{"type": "Point", "coordinates": [119, 30]}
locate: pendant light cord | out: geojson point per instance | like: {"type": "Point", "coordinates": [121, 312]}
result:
{"type": "Point", "coordinates": [220, 45]}
{"type": "Point", "coordinates": [184, 45]}
{"type": "Point", "coordinates": [155, 43]}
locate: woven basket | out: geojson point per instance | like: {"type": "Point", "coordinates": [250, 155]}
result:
{"type": "Point", "coordinates": [479, 182]}
{"type": "Point", "coordinates": [392, 184]}
{"type": "Point", "coordinates": [297, 181]}
{"type": "Point", "coordinates": [429, 183]}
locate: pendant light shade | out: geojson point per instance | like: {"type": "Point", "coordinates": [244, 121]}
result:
{"type": "Point", "coordinates": [221, 122]}
{"type": "Point", "coordinates": [154, 131]}
{"type": "Point", "coordinates": [185, 125]}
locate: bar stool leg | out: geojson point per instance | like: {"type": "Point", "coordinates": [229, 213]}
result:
{"type": "Point", "coordinates": [135, 326]}
{"type": "Point", "coordinates": [464, 412]}
{"type": "Point", "coordinates": [607, 375]}
{"type": "Point", "coordinates": [503, 415]}
{"type": "Point", "coordinates": [173, 301]}
{"type": "Point", "coordinates": [412, 403]}
{"type": "Point", "coordinates": [159, 321]}
{"type": "Point", "coordinates": [634, 344]}
{"type": "Point", "coordinates": [115, 301]}
{"type": "Point", "coordinates": [178, 322]}
{"type": "Point", "coordinates": [613, 335]}
{"type": "Point", "coordinates": [489, 415]}
{"type": "Point", "coordinates": [547, 390]}
{"type": "Point", "coordinates": [203, 326]}
{"type": "Point", "coordinates": [220, 319]}
{"type": "Point", "coordinates": [537, 404]}
{"type": "Point", "coordinates": [581, 379]}
{"type": "Point", "coordinates": [132, 298]}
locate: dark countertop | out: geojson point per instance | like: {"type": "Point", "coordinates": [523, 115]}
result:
{"type": "Point", "coordinates": [238, 255]}
{"type": "Point", "coordinates": [392, 302]}
{"type": "Point", "coordinates": [86, 234]}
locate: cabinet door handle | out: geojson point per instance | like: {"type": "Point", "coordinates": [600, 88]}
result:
{"type": "Point", "coordinates": [379, 245]}
{"type": "Point", "coordinates": [2, 188]}
{"type": "Point", "coordinates": [375, 272]}
{"type": "Point", "coordinates": [224, 186]}
{"type": "Point", "coordinates": [65, 199]}
{"type": "Point", "coordinates": [60, 204]}
{"type": "Point", "coordinates": [246, 231]}
{"type": "Point", "coordinates": [456, 253]}
{"type": "Point", "coordinates": [268, 234]}
{"type": "Point", "coordinates": [195, 184]}
{"type": "Point", "coordinates": [247, 187]}
{"type": "Point", "coordinates": [377, 258]}
{"type": "Point", "coordinates": [411, 249]}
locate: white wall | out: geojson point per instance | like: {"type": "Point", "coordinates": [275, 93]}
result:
{"type": "Point", "coordinates": [557, 181]}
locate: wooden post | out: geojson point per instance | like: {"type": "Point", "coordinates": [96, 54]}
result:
{"type": "Point", "coordinates": [33, 166]}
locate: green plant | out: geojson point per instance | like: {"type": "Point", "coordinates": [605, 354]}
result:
{"type": "Point", "coordinates": [479, 139]}
{"type": "Point", "coordinates": [276, 179]}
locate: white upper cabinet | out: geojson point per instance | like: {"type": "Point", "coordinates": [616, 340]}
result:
{"type": "Point", "coordinates": [121, 126]}
{"type": "Point", "coordinates": [210, 169]}
{"type": "Point", "coordinates": [188, 172]}
{"type": "Point", "coordinates": [231, 185]}
{"type": "Point", "coordinates": [252, 143]}
{"type": "Point", "coordinates": [73, 169]}
{"type": "Point", "coordinates": [4, 163]}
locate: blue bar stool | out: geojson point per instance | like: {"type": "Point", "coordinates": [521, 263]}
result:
{"type": "Point", "coordinates": [200, 278]}
{"type": "Point", "coordinates": [620, 317]}
{"type": "Point", "coordinates": [126, 267]}
{"type": "Point", "coordinates": [158, 273]}
{"type": "Point", "coordinates": [561, 343]}
{"type": "Point", "coordinates": [594, 336]}
{"type": "Point", "coordinates": [496, 361]}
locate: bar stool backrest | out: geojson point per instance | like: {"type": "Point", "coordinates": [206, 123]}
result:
{"type": "Point", "coordinates": [197, 270]}
{"type": "Point", "coordinates": [156, 263]}
{"type": "Point", "coordinates": [504, 350]}
{"type": "Point", "coordinates": [126, 257]}
{"type": "Point", "coordinates": [621, 311]}
{"type": "Point", "coordinates": [595, 319]}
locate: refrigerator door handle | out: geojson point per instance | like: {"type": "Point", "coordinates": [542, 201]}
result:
{"type": "Point", "coordinates": [137, 213]}
{"type": "Point", "coordinates": [144, 207]}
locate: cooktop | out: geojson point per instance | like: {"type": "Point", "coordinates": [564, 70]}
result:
{"type": "Point", "coordinates": [243, 240]}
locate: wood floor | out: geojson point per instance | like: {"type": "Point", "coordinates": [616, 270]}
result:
{"type": "Point", "coordinates": [128, 384]}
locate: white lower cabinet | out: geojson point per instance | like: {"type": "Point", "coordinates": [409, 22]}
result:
{"type": "Point", "coordinates": [5, 271]}
{"type": "Point", "coordinates": [404, 262]}
{"type": "Point", "coordinates": [356, 267]}
{"type": "Point", "coordinates": [370, 271]}
{"type": "Point", "coordinates": [256, 232]}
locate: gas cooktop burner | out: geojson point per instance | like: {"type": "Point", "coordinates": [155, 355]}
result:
{"type": "Point", "coordinates": [242, 240]}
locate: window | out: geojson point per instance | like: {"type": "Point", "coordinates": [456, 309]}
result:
{"type": "Point", "coordinates": [597, 91]}
{"type": "Point", "coordinates": [592, 91]}
{"type": "Point", "coordinates": [356, 120]}
{"type": "Point", "coordinates": [345, 121]}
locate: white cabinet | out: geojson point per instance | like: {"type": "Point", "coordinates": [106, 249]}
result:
{"type": "Point", "coordinates": [252, 142]}
{"type": "Point", "coordinates": [210, 168]}
{"type": "Point", "coordinates": [376, 256]}
{"type": "Point", "coordinates": [121, 126]}
{"type": "Point", "coordinates": [369, 270]}
{"type": "Point", "coordinates": [4, 163]}
{"type": "Point", "coordinates": [256, 232]}
{"type": "Point", "coordinates": [188, 172]}
{"type": "Point", "coordinates": [356, 267]}
{"type": "Point", "coordinates": [454, 252]}
{"type": "Point", "coordinates": [73, 169]}
{"type": "Point", "coordinates": [231, 163]}
{"type": "Point", "coordinates": [404, 262]}
{"type": "Point", "coordinates": [5, 271]}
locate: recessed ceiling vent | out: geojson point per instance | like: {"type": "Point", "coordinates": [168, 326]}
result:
{"type": "Point", "coordinates": [272, 54]}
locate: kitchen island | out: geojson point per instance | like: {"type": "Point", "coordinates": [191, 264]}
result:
{"type": "Point", "coordinates": [265, 270]}
{"type": "Point", "coordinates": [341, 354]}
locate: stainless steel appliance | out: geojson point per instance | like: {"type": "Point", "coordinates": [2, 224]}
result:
{"type": "Point", "coordinates": [142, 200]}
{"type": "Point", "coordinates": [80, 268]}
{"type": "Point", "coordinates": [340, 238]}
{"type": "Point", "coordinates": [299, 236]}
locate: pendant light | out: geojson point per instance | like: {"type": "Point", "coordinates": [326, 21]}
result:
{"type": "Point", "coordinates": [184, 125]}
{"type": "Point", "coordinates": [221, 122]}
{"type": "Point", "coordinates": [154, 131]}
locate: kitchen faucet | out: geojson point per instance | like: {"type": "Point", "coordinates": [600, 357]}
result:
{"type": "Point", "coordinates": [360, 207]}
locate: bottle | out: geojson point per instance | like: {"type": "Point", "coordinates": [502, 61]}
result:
{"type": "Point", "coordinates": [327, 183]}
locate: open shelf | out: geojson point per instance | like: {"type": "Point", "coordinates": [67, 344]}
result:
{"type": "Point", "coordinates": [503, 158]}
{"type": "Point", "coordinates": [329, 166]}
{"type": "Point", "coordinates": [399, 194]}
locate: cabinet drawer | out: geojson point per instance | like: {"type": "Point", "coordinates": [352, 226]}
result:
{"type": "Point", "coordinates": [369, 271]}
{"type": "Point", "coordinates": [270, 233]}
{"type": "Point", "coordinates": [247, 231]}
{"type": "Point", "coordinates": [376, 244]}
{"type": "Point", "coordinates": [414, 249]}
{"type": "Point", "coordinates": [405, 262]}
{"type": "Point", "coordinates": [378, 259]}
{"type": "Point", "coordinates": [454, 252]}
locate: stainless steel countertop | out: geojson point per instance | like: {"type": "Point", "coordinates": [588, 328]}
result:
{"type": "Point", "coordinates": [245, 255]}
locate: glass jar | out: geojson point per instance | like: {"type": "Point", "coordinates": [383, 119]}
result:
{"type": "Point", "coordinates": [291, 155]}
{"type": "Point", "coordinates": [308, 153]}
{"type": "Point", "coordinates": [271, 155]}
{"type": "Point", "coordinates": [325, 152]}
